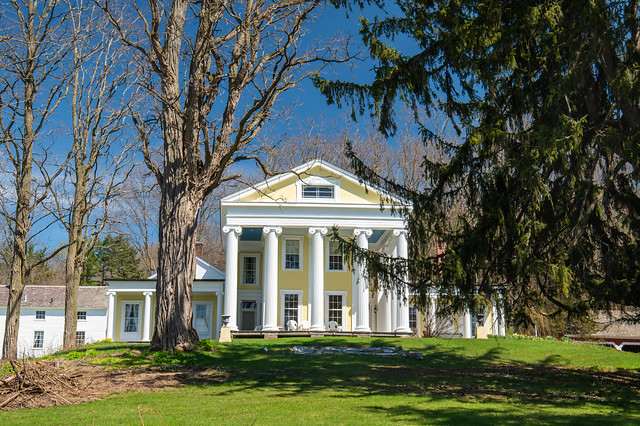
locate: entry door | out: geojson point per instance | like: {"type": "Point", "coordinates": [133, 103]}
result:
{"type": "Point", "coordinates": [248, 319]}
{"type": "Point", "coordinates": [131, 322]}
{"type": "Point", "coordinates": [202, 319]}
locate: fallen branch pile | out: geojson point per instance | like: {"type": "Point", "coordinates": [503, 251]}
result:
{"type": "Point", "coordinates": [38, 384]}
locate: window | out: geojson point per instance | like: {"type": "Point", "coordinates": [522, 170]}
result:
{"type": "Point", "coordinates": [202, 319]}
{"type": "Point", "coordinates": [80, 338]}
{"type": "Point", "coordinates": [249, 270]}
{"type": "Point", "coordinates": [40, 315]}
{"type": "Point", "coordinates": [324, 192]}
{"type": "Point", "coordinates": [290, 307]}
{"type": "Point", "coordinates": [336, 261]}
{"type": "Point", "coordinates": [335, 308]}
{"type": "Point", "coordinates": [413, 317]}
{"type": "Point", "coordinates": [292, 253]}
{"type": "Point", "coordinates": [131, 317]}
{"type": "Point", "coordinates": [38, 339]}
{"type": "Point", "coordinates": [82, 315]}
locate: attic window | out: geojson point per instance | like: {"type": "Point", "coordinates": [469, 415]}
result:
{"type": "Point", "coordinates": [325, 192]}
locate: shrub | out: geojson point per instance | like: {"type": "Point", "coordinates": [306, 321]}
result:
{"type": "Point", "coordinates": [206, 345]}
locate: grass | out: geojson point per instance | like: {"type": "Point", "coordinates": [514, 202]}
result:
{"type": "Point", "coordinates": [460, 381]}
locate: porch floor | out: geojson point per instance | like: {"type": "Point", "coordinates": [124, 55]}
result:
{"type": "Point", "coordinates": [276, 334]}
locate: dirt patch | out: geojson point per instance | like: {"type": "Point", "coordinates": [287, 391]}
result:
{"type": "Point", "coordinates": [56, 382]}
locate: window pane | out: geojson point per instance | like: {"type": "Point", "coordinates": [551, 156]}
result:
{"type": "Point", "coordinates": [131, 317]}
{"type": "Point", "coordinates": [318, 191]}
{"type": "Point", "coordinates": [40, 314]}
{"type": "Point", "coordinates": [292, 254]}
{"type": "Point", "coordinates": [335, 308]}
{"type": "Point", "coordinates": [79, 338]}
{"type": "Point", "coordinates": [335, 256]}
{"type": "Point", "coordinates": [250, 263]}
{"type": "Point", "coordinates": [413, 317]}
{"type": "Point", "coordinates": [38, 339]}
{"type": "Point", "coordinates": [290, 307]}
{"type": "Point", "coordinates": [82, 315]}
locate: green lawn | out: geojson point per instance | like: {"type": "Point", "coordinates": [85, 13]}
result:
{"type": "Point", "coordinates": [460, 381]}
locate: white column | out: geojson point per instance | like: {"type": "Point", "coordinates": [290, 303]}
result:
{"type": "Point", "coordinates": [146, 319]}
{"type": "Point", "coordinates": [494, 319]}
{"type": "Point", "coordinates": [231, 273]}
{"type": "Point", "coordinates": [501, 324]}
{"type": "Point", "coordinates": [384, 312]}
{"type": "Point", "coordinates": [466, 330]}
{"type": "Point", "coordinates": [431, 315]}
{"type": "Point", "coordinates": [316, 276]}
{"type": "Point", "coordinates": [111, 314]}
{"type": "Point", "coordinates": [362, 285]}
{"type": "Point", "coordinates": [270, 281]}
{"type": "Point", "coordinates": [218, 313]}
{"type": "Point", "coordinates": [403, 294]}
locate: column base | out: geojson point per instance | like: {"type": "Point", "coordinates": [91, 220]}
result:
{"type": "Point", "coordinates": [232, 327]}
{"type": "Point", "coordinates": [363, 329]}
{"type": "Point", "coordinates": [403, 330]}
{"type": "Point", "coordinates": [317, 328]}
{"type": "Point", "coordinates": [270, 328]}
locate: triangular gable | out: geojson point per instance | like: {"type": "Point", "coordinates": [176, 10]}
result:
{"type": "Point", "coordinates": [367, 192]}
{"type": "Point", "coordinates": [204, 271]}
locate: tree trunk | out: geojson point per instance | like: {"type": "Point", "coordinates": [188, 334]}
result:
{"type": "Point", "coordinates": [176, 269]}
{"type": "Point", "coordinates": [73, 272]}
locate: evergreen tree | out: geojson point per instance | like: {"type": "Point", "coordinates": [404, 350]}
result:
{"type": "Point", "coordinates": [113, 258]}
{"type": "Point", "coordinates": [539, 199]}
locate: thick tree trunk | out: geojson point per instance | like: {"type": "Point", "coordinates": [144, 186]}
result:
{"type": "Point", "coordinates": [176, 269]}
{"type": "Point", "coordinates": [73, 271]}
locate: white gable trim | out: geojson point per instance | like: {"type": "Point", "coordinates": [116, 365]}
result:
{"type": "Point", "coordinates": [295, 172]}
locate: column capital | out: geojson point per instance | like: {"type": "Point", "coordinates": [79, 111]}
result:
{"type": "Point", "coordinates": [318, 229]}
{"type": "Point", "coordinates": [398, 232]}
{"type": "Point", "coordinates": [219, 293]}
{"type": "Point", "coordinates": [366, 231]}
{"type": "Point", "coordinates": [111, 292]}
{"type": "Point", "coordinates": [237, 229]}
{"type": "Point", "coordinates": [147, 293]}
{"type": "Point", "coordinates": [269, 229]}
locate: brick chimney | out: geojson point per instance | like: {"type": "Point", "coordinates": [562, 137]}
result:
{"type": "Point", "coordinates": [199, 249]}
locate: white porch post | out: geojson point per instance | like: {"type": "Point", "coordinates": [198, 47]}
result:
{"type": "Point", "coordinates": [466, 331]}
{"type": "Point", "coordinates": [271, 278]}
{"type": "Point", "coordinates": [316, 275]}
{"type": "Point", "coordinates": [231, 272]}
{"type": "Point", "coordinates": [403, 295]}
{"type": "Point", "coordinates": [146, 319]}
{"type": "Point", "coordinates": [111, 314]}
{"type": "Point", "coordinates": [431, 315]}
{"type": "Point", "coordinates": [362, 286]}
{"type": "Point", "coordinates": [494, 319]}
{"type": "Point", "coordinates": [384, 312]}
{"type": "Point", "coordinates": [218, 313]}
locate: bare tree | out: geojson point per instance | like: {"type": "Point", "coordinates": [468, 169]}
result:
{"type": "Point", "coordinates": [99, 98]}
{"type": "Point", "coordinates": [32, 44]}
{"type": "Point", "coordinates": [240, 56]}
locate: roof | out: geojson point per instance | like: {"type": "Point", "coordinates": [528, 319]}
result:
{"type": "Point", "coordinates": [52, 296]}
{"type": "Point", "coordinates": [295, 172]}
{"type": "Point", "coordinates": [204, 271]}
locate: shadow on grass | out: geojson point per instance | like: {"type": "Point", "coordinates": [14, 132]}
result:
{"type": "Point", "coordinates": [544, 391]}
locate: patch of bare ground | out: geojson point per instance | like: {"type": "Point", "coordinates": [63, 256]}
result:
{"type": "Point", "coordinates": [55, 382]}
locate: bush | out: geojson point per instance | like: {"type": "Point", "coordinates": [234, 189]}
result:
{"type": "Point", "coordinates": [206, 345]}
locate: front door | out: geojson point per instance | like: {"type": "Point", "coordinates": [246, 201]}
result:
{"type": "Point", "coordinates": [248, 317]}
{"type": "Point", "coordinates": [202, 319]}
{"type": "Point", "coordinates": [131, 322]}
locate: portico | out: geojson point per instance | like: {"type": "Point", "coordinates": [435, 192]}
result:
{"type": "Point", "coordinates": [285, 271]}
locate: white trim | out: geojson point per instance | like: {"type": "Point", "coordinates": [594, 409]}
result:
{"type": "Point", "coordinates": [318, 181]}
{"type": "Point", "coordinates": [327, 254]}
{"type": "Point", "coordinates": [131, 337]}
{"type": "Point", "coordinates": [241, 257]}
{"type": "Point", "coordinates": [282, 293]}
{"type": "Point", "coordinates": [344, 307]}
{"type": "Point", "coordinates": [300, 253]}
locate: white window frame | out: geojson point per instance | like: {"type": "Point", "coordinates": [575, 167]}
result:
{"type": "Point", "coordinates": [327, 254]}
{"type": "Point", "coordinates": [209, 304]}
{"type": "Point", "coordinates": [282, 293]}
{"type": "Point", "coordinates": [131, 336]}
{"type": "Point", "coordinates": [300, 253]}
{"type": "Point", "coordinates": [242, 257]}
{"type": "Point", "coordinates": [84, 337]}
{"type": "Point", "coordinates": [318, 181]}
{"type": "Point", "coordinates": [34, 340]}
{"type": "Point", "coordinates": [44, 315]}
{"type": "Point", "coordinates": [344, 307]}
{"type": "Point", "coordinates": [86, 314]}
